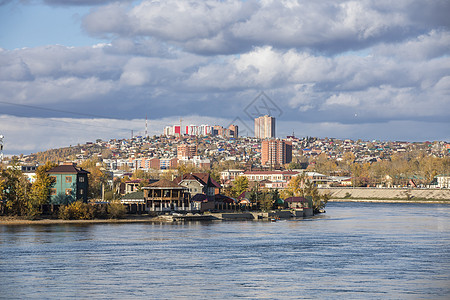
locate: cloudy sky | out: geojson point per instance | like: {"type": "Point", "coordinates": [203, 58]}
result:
{"type": "Point", "coordinates": [73, 71]}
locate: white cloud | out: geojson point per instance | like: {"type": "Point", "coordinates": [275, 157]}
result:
{"type": "Point", "coordinates": [343, 100]}
{"type": "Point", "coordinates": [211, 58]}
{"type": "Point", "coordinates": [235, 26]}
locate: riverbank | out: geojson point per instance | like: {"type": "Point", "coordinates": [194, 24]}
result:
{"type": "Point", "coordinates": [128, 219]}
{"type": "Point", "coordinates": [391, 201]}
{"type": "Point", "coordinates": [396, 195]}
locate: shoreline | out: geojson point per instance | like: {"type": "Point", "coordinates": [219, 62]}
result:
{"type": "Point", "coordinates": [12, 221]}
{"type": "Point", "coordinates": [18, 221]}
{"type": "Point", "coordinates": [431, 201]}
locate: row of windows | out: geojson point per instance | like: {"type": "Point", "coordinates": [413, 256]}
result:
{"type": "Point", "coordinates": [68, 192]}
{"type": "Point", "coordinates": [69, 179]}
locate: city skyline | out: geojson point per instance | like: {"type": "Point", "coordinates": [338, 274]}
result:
{"type": "Point", "coordinates": [75, 71]}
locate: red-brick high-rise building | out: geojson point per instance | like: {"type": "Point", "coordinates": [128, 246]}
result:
{"type": "Point", "coordinates": [275, 152]}
{"type": "Point", "coordinates": [186, 151]}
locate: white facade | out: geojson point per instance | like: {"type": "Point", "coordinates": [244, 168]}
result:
{"type": "Point", "coordinates": [443, 181]}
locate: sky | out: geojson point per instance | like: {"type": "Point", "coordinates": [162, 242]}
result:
{"type": "Point", "coordinates": [74, 71]}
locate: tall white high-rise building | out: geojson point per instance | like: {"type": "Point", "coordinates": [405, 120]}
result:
{"type": "Point", "coordinates": [265, 127]}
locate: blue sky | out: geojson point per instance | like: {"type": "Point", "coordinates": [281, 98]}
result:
{"type": "Point", "coordinates": [44, 25]}
{"type": "Point", "coordinates": [76, 70]}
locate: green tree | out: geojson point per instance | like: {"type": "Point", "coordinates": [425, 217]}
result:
{"type": "Point", "coordinates": [240, 185]}
{"type": "Point", "coordinates": [266, 200]}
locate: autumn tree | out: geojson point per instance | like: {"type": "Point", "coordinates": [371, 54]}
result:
{"type": "Point", "coordinates": [40, 190]}
{"type": "Point", "coordinates": [324, 165]}
{"type": "Point", "coordinates": [240, 185]}
{"type": "Point", "coordinates": [98, 177]}
{"type": "Point", "coordinates": [301, 186]}
{"type": "Point", "coordinates": [15, 190]}
{"type": "Point", "coordinates": [348, 158]}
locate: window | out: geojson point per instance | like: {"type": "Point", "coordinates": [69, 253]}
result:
{"type": "Point", "coordinates": [68, 179]}
{"type": "Point", "coordinates": [52, 192]}
{"type": "Point", "coordinates": [81, 191]}
{"type": "Point", "coordinates": [69, 192]}
{"type": "Point", "coordinates": [80, 179]}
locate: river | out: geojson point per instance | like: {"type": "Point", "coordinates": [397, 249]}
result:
{"type": "Point", "coordinates": [355, 250]}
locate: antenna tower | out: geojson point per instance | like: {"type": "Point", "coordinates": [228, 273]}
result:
{"type": "Point", "coordinates": [146, 127]}
{"type": "Point", "coordinates": [1, 147]}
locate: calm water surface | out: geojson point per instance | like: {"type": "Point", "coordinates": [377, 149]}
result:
{"type": "Point", "coordinates": [355, 250]}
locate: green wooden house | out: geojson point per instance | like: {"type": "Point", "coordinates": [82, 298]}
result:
{"type": "Point", "coordinates": [71, 184]}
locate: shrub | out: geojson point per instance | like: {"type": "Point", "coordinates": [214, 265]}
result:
{"type": "Point", "coordinates": [116, 210]}
{"type": "Point", "coordinates": [347, 195]}
{"type": "Point", "coordinates": [77, 211]}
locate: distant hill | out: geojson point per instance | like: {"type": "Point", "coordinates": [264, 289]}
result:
{"type": "Point", "coordinates": [65, 153]}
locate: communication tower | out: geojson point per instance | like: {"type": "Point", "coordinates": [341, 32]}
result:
{"type": "Point", "coordinates": [1, 147]}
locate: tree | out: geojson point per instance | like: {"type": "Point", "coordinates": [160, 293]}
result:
{"type": "Point", "coordinates": [240, 185]}
{"type": "Point", "coordinates": [16, 190]}
{"type": "Point", "coordinates": [294, 187]}
{"type": "Point", "coordinates": [116, 210]}
{"type": "Point", "coordinates": [300, 186]}
{"type": "Point", "coordinates": [97, 177]}
{"type": "Point", "coordinates": [267, 199]}
{"type": "Point", "coordinates": [40, 190]}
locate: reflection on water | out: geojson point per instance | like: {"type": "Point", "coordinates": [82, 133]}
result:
{"type": "Point", "coordinates": [356, 250]}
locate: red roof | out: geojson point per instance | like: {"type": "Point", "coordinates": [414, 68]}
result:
{"type": "Point", "coordinates": [270, 172]}
{"type": "Point", "coordinates": [296, 199]}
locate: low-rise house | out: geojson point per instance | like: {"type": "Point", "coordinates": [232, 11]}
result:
{"type": "Point", "coordinates": [270, 175]}
{"type": "Point", "coordinates": [443, 181]}
{"type": "Point", "coordinates": [165, 195]}
{"type": "Point", "coordinates": [302, 206]}
{"type": "Point", "coordinates": [199, 183]}
{"type": "Point", "coordinates": [134, 202]}
{"type": "Point", "coordinates": [230, 174]}
{"type": "Point", "coordinates": [71, 184]}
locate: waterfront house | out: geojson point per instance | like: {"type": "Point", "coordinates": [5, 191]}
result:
{"type": "Point", "coordinates": [199, 183]}
{"type": "Point", "coordinates": [71, 184]}
{"type": "Point", "coordinates": [134, 202]}
{"type": "Point", "coordinates": [165, 195]}
{"type": "Point", "coordinates": [201, 203]}
{"type": "Point", "coordinates": [300, 205]}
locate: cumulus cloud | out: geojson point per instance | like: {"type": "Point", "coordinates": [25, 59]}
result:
{"type": "Point", "coordinates": [330, 63]}
{"type": "Point", "coordinates": [224, 27]}
{"type": "Point", "coordinates": [77, 2]}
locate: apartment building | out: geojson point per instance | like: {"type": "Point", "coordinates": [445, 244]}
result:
{"type": "Point", "coordinates": [265, 127]}
{"type": "Point", "coordinates": [276, 152]}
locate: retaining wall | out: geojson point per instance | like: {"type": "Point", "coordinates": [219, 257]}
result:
{"type": "Point", "coordinates": [387, 193]}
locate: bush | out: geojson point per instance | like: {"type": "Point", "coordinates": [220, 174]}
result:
{"type": "Point", "coordinates": [77, 211]}
{"type": "Point", "coordinates": [116, 210]}
{"type": "Point", "coordinates": [347, 195]}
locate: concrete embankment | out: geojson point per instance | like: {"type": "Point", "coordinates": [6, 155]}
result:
{"type": "Point", "coordinates": [398, 194]}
